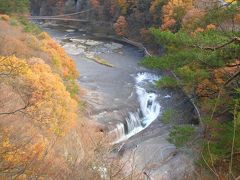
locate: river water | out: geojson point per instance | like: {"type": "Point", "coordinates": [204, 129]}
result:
{"type": "Point", "coordinates": [124, 99]}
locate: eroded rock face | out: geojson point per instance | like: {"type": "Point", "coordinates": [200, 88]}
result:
{"type": "Point", "coordinates": [35, 7]}
{"type": "Point", "coordinates": [55, 7]}
{"type": "Point", "coordinates": [81, 4]}
{"type": "Point", "coordinates": [44, 7]}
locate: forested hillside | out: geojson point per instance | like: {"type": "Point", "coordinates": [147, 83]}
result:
{"type": "Point", "coordinates": [203, 54]}
{"type": "Point", "coordinates": [41, 112]}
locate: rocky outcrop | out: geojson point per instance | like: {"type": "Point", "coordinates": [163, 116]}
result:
{"type": "Point", "coordinates": [55, 7]}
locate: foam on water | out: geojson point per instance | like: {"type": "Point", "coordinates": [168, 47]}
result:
{"type": "Point", "coordinates": [148, 112]}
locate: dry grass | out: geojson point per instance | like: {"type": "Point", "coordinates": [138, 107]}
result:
{"type": "Point", "coordinates": [15, 41]}
{"type": "Point", "coordinates": [4, 17]}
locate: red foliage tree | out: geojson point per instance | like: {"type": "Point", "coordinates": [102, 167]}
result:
{"type": "Point", "coordinates": [121, 26]}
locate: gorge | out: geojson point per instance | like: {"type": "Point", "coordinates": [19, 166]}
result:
{"type": "Point", "coordinates": [119, 89]}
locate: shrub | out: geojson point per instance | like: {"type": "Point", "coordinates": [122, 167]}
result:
{"type": "Point", "coordinates": [181, 134]}
{"type": "Point", "coordinates": [13, 22]}
{"type": "Point", "coordinates": [167, 82]}
{"type": "Point", "coordinates": [43, 35]}
{"type": "Point", "coordinates": [29, 27]}
{"type": "Point", "coordinates": [72, 87]}
{"type": "Point", "coordinates": [167, 116]}
{"type": "Point", "coordinates": [33, 42]}
{"type": "Point", "coordinates": [32, 28]}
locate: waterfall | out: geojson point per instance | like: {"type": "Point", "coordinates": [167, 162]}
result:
{"type": "Point", "coordinates": [148, 112]}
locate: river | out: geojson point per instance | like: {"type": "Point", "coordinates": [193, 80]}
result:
{"type": "Point", "coordinates": [124, 99]}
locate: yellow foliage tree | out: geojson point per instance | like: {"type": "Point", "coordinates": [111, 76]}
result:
{"type": "Point", "coordinates": [49, 103]}
{"type": "Point", "coordinates": [62, 62]}
{"type": "Point", "coordinates": [19, 158]}
{"type": "Point", "coordinates": [123, 4]}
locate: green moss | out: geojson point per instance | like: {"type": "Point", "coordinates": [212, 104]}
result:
{"type": "Point", "coordinates": [72, 87]}
{"type": "Point", "coordinates": [82, 105]}
{"type": "Point", "coordinates": [29, 27]}
{"type": "Point", "coordinates": [101, 61]}
{"type": "Point", "coordinates": [167, 116]}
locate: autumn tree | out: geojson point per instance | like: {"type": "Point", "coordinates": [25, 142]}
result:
{"type": "Point", "coordinates": [156, 10]}
{"type": "Point", "coordinates": [38, 103]}
{"type": "Point", "coordinates": [173, 13]}
{"type": "Point", "coordinates": [31, 91]}
{"type": "Point", "coordinates": [95, 3]}
{"type": "Point", "coordinates": [121, 26]}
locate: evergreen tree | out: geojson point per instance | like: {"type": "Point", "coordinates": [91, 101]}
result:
{"type": "Point", "coordinates": [205, 57]}
{"type": "Point", "coordinates": [14, 6]}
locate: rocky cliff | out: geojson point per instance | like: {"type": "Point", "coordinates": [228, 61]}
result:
{"type": "Point", "coordinates": [54, 7]}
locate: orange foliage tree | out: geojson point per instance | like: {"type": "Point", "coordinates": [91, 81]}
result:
{"type": "Point", "coordinates": [19, 155]}
{"type": "Point", "coordinates": [48, 103]}
{"type": "Point", "coordinates": [95, 3]}
{"type": "Point", "coordinates": [36, 104]}
{"type": "Point", "coordinates": [61, 61]}
{"type": "Point", "coordinates": [169, 11]}
{"type": "Point", "coordinates": [121, 26]}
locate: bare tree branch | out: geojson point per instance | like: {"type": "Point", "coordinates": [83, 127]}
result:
{"type": "Point", "coordinates": [232, 78]}
{"type": "Point", "coordinates": [15, 111]}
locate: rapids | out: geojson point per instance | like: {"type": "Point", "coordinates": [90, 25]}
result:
{"type": "Point", "coordinates": [148, 112]}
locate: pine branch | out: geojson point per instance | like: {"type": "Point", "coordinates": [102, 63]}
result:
{"type": "Point", "coordinates": [233, 40]}
{"type": "Point", "coordinates": [232, 78]}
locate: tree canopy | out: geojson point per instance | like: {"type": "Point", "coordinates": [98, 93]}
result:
{"type": "Point", "coordinates": [205, 56]}
{"type": "Point", "coordinates": [14, 6]}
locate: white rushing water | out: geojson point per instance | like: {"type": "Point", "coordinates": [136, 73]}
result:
{"type": "Point", "coordinates": [148, 112]}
